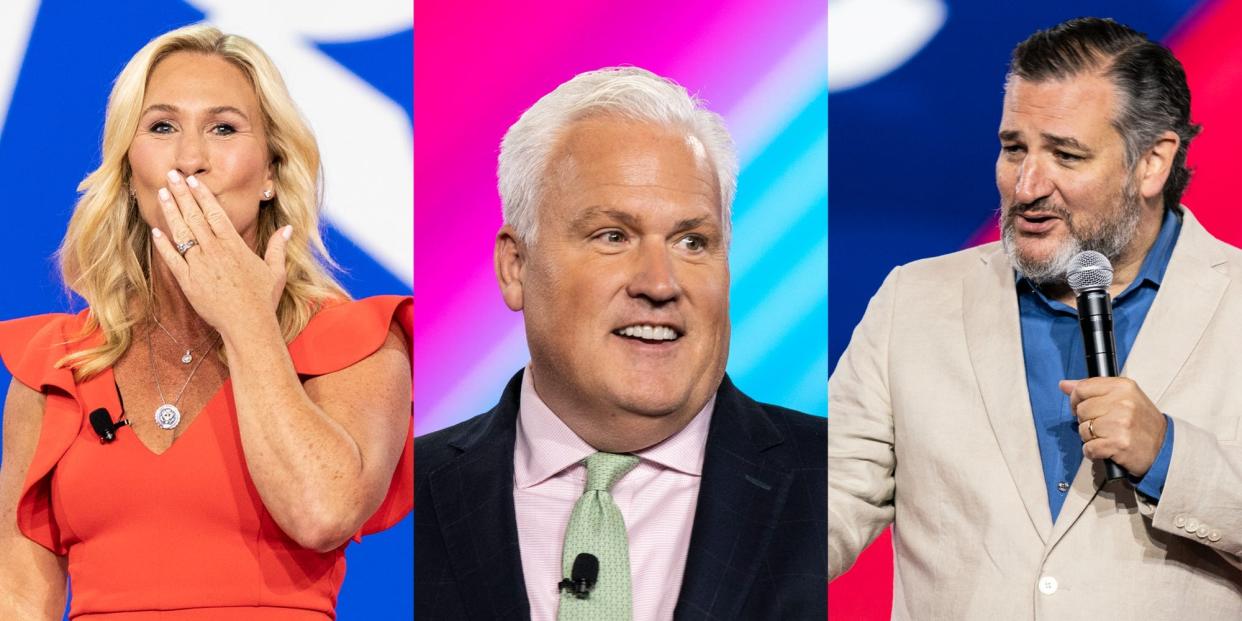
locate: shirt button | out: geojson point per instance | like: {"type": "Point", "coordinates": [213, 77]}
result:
{"type": "Point", "coordinates": [1179, 521]}
{"type": "Point", "coordinates": [1202, 532]}
{"type": "Point", "coordinates": [1214, 536]}
{"type": "Point", "coordinates": [1047, 585]}
{"type": "Point", "coordinates": [1192, 525]}
{"type": "Point", "coordinates": [1063, 487]}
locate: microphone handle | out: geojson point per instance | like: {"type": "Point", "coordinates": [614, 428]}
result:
{"type": "Point", "coordinates": [1095, 316]}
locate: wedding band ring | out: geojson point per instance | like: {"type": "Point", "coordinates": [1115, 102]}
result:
{"type": "Point", "coordinates": [1091, 429]}
{"type": "Point", "coordinates": [185, 246]}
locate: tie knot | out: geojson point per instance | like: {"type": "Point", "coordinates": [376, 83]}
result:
{"type": "Point", "coordinates": [605, 469]}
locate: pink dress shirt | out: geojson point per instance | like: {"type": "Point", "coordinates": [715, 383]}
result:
{"type": "Point", "coordinates": [657, 499]}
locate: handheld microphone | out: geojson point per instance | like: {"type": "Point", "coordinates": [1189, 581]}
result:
{"type": "Point", "coordinates": [102, 423]}
{"type": "Point", "coordinates": [1089, 275]}
{"type": "Point", "coordinates": [583, 576]}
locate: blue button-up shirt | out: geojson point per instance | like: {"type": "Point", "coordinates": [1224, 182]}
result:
{"type": "Point", "coordinates": [1052, 348]}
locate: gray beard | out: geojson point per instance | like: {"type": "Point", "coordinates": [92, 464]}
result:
{"type": "Point", "coordinates": [1111, 239]}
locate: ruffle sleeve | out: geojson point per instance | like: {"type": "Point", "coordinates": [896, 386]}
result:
{"type": "Point", "coordinates": [341, 335]}
{"type": "Point", "coordinates": [30, 348]}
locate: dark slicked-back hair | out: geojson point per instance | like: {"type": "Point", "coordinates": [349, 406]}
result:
{"type": "Point", "coordinates": [1154, 97]}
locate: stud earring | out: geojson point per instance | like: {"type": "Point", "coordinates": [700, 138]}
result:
{"type": "Point", "coordinates": [267, 195]}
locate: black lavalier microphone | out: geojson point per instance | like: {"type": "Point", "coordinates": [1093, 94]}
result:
{"type": "Point", "coordinates": [582, 578]}
{"type": "Point", "coordinates": [1090, 275]}
{"type": "Point", "coordinates": [101, 421]}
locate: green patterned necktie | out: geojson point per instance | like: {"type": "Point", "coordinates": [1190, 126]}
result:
{"type": "Point", "coordinates": [596, 527]}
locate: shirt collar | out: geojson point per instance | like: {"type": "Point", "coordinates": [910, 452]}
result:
{"type": "Point", "coordinates": [1157, 260]}
{"type": "Point", "coordinates": [1154, 264]}
{"type": "Point", "coordinates": [546, 446]}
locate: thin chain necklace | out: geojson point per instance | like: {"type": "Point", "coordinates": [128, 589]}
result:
{"type": "Point", "coordinates": [167, 416]}
{"type": "Point", "coordinates": [188, 357]}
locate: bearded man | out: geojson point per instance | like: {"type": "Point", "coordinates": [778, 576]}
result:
{"type": "Point", "coordinates": [959, 413]}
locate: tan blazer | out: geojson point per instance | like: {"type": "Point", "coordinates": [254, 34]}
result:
{"type": "Point", "coordinates": [930, 429]}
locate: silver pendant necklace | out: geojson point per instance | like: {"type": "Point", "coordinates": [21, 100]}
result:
{"type": "Point", "coordinates": [188, 357]}
{"type": "Point", "coordinates": [167, 416]}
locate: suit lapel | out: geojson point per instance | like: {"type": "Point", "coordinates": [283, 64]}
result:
{"type": "Point", "coordinates": [1189, 294]}
{"type": "Point", "coordinates": [741, 495]}
{"type": "Point", "coordinates": [994, 340]}
{"type": "Point", "coordinates": [473, 499]}
{"type": "Point", "coordinates": [1083, 489]}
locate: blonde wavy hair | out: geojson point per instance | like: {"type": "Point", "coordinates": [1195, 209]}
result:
{"type": "Point", "coordinates": [104, 256]}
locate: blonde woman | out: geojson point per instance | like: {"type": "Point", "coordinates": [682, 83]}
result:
{"type": "Point", "coordinates": [203, 441]}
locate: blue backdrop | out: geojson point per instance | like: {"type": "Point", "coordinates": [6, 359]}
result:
{"type": "Point", "coordinates": [57, 62]}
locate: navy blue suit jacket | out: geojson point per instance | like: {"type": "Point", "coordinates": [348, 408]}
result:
{"type": "Point", "coordinates": [758, 548]}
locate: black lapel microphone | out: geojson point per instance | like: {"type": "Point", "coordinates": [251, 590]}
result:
{"type": "Point", "coordinates": [101, 421]}
{"type": "Point", "coordinates": [1090, 274]}
{"type": "Point", "coordinates": [582, 578]}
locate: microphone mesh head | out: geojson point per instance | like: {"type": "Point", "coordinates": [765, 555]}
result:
{"type": "Point", "coordinates": [1089, 270]}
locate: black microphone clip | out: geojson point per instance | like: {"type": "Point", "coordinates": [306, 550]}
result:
{"type": "Point", "coordinates": [583, 577]}
{"type": "Point", "coordinates": [102, 423]}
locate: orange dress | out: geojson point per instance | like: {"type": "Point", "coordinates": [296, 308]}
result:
{"type": "Point", "coordinates": [183, 535]}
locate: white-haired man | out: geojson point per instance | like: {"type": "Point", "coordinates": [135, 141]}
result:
{"type": "Point", "coordinates": [698, 502]}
